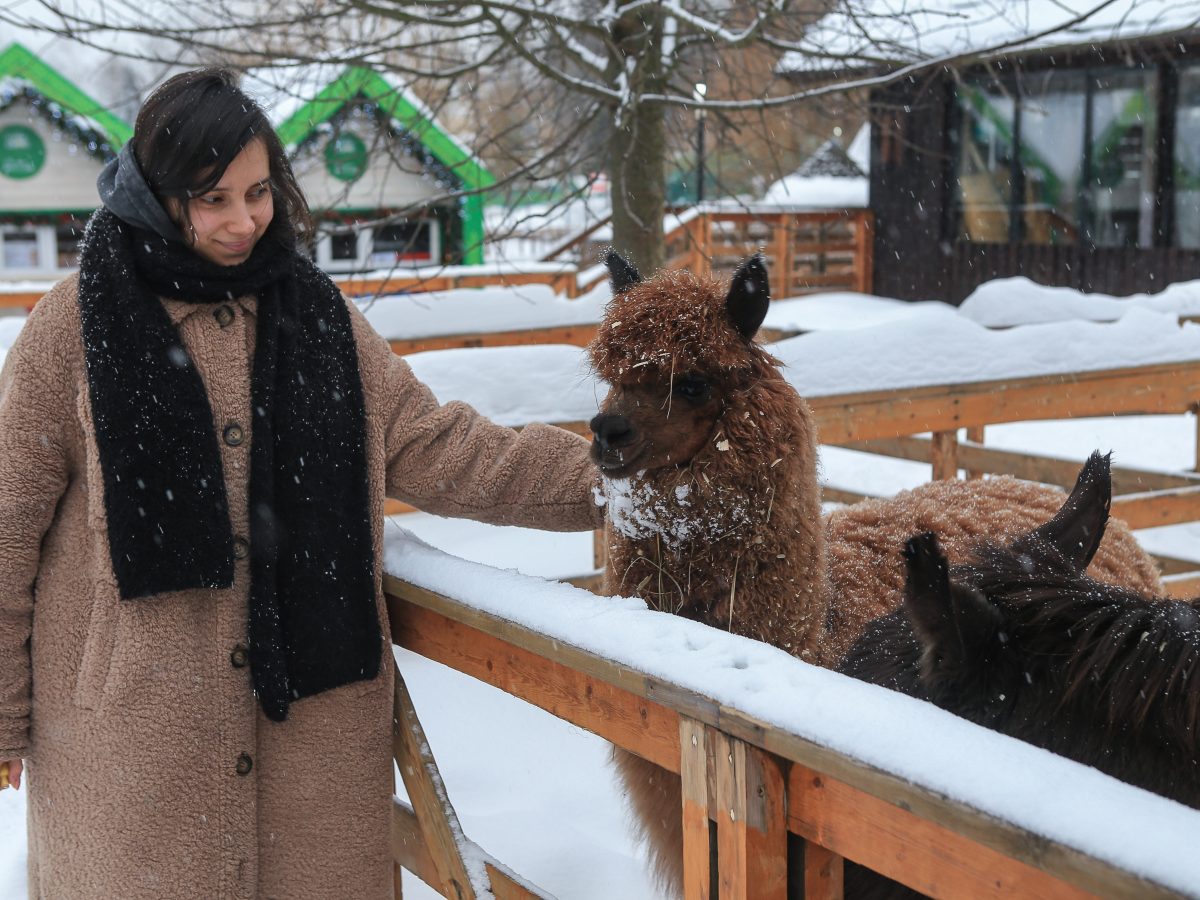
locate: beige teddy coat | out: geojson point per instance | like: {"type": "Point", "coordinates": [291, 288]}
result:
{"type": "Point", "coordinates": [137, 717]}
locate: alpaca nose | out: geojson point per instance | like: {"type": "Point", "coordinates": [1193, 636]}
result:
{"type": "Point", "coordinates": [611, 431]}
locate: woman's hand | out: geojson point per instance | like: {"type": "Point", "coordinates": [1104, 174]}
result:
{"type": "Point", "coordinates": [10, 773]}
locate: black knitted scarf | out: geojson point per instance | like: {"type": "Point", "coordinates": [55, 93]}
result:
{"type": "Point", "coordinates": [313, 623]}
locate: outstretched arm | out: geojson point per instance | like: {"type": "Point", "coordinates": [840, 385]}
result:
{"type": "Point", "coordinates": [449, 460]}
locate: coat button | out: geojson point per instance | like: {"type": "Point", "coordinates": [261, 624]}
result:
{"type": "Point", "coordinates": [234, 435]}
{"type": "Point", "coordinates": [241, 548]}
{"type": "Point", "coordinates": [224, 315]}
{"type": "Point", "coordinates": [240, 658]}
{"type": "Point", "coordinates": [244, 764]}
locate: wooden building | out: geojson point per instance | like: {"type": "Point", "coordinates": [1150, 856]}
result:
{"type": "Point", "coordinates": [1073, 160]}
{"type": "Point", "coordinates": [54, 140]}
{"type": "Point", "coordinates": [388, 185]}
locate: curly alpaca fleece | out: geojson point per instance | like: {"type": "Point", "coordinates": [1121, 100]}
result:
{"type": "Point", "coordinates": [734, 536]}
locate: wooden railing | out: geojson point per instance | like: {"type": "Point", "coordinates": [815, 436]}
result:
{"type": "Point", "coordinates": [886, 422]}
{"type": "Point", "coordinates": [758, 783]}
{"type": "Point", "coordinates": [807, 251]}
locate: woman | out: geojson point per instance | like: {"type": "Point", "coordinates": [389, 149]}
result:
{"type": "Point", "coordinates": [197, 435]}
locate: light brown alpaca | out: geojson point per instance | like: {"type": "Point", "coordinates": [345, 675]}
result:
{"type": "Point", "coordinates": [709, 460]}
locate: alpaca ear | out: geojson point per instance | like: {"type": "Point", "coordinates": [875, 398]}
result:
{"type": "Point", "coordinates": [749, 295]}
{"type": "Point", "coordinates": [621, 272]}
{"type": "Point", "coordinates": [1077, 529]}
{"type": "Point", "coordinates": [954, 623]}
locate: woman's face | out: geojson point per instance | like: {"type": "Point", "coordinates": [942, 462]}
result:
{"type": "Point", "coordinates": [228, 220]}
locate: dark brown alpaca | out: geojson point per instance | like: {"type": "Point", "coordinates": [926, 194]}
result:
{"type": "Point", "coordinates": [1021, 641]}
{"type": "Point", "coordinates": [710, 465]}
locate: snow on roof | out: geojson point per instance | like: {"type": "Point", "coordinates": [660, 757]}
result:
{"type": "Point", "coordinates": [866, 32]}
{"type": "Point", "coordinates": [1025, 785]}
{"type": "Point", "coordinates": [819, 192]}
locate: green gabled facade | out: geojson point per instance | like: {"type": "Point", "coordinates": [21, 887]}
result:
{"type": "Point", "coordinates": [357, 85]}
{"type": "Point", "coordinates": [22, 65]}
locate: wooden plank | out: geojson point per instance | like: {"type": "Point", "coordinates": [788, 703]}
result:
{"type": "Point", "coordinates": [408, 846]}
{"type": "Point", "coordinates": [830, 494]}
{"type": "Point", "coordinates": [766, 826]}
{"type": "Point", "coordinates": [1165, 388]}
{"type": "Point", "coordinates": [1184, 585]}
{"type": "Point", "coordinates": [729, 761]}
{"type": "Point", "coordinates": [906, 848]}
{"type": "Point", "coordinates": [823, 873]}
{"type": "Point", "coordinates": [944, 457]}
{"type": "Point", "coordinates": [408, 850]}
{"type": "Point", "coordinates": [574, 335]}
{"type": "Point", "coordinates": [693, 765]}
{"type": "Point", "coordinates": [20, 299]}
{"type": "Point", "coordinates": [1173, 565]}
{"type": "Point", "coordinates": [751, 821]}
{"type": "Point", "coordinates": [1029, 466]}
{"type": "Point", "coordinates": [400, 282]}
{"type": "Point", "coordinates": [456, 647]}
{"type": "Point", "coordinates": [587, 690]}
{"type": "Point", "coordinates": [864, 229]}
{"type": "Point", "coordinates": [1152, 508]}
{"type": "Point", "coordinates": [436, 818]}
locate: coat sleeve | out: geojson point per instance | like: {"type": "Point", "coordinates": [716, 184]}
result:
{"type": "Point", "coordinates": [34, 405]}
{"type": "Point", "coordinates": [449, 460]}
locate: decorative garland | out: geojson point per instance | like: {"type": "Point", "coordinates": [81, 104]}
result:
{"type": "Point", "coordinates": [96, 143]}
{"type": "Point", "coordinates": [442, 175]}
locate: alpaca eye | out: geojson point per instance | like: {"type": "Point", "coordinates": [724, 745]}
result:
{"type": "Point", "coordinates": [692, 388]}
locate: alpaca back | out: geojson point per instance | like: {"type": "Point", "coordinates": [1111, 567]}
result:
{"type": "Point", "coordinates": [863, 544]}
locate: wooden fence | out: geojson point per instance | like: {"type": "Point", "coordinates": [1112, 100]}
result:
{"type": "Point", "coordinates": [806, 251]}
{"type": "Point", "coordinates": [760, 785]}
{"type": "Point", "coordinates": [786, 810]}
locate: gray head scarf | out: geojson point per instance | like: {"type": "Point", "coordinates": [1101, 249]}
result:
{"type": "Point", "coordinates": [124, 191]}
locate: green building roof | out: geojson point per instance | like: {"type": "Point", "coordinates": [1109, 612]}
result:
{"type": "Point", "coordinates": [355, 84]}
{"type": "Point", "coordinates": [21, 67]}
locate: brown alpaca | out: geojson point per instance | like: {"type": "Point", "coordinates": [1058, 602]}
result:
{"type": "Point", "coordinates": [709, 461]}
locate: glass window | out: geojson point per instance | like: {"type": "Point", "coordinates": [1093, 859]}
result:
{"type": "Point", "coordinates": [401, 242]}
{"type": "Point", "coordinates": [1121, 175]}
{"type": "Point", "coordinates": [1187, 160]}
{"type": "Point", "coordinates": [343, 245]}
{"type": "Point", "coordinates": [985, 163]}
{"type": "Point", "coordinates": [67, 238]}
{"type": "Point", "coordinates": [20, 249]}
{"type": "Point", "coordinates": [1051, 134]}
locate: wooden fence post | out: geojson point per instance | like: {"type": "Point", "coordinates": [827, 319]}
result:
{"type": "Point", "coordinates": [945, 455]}
{"type": "Point", "coordinates": [975, 435]}
{"type": "Point", "coordinates": [751, 821]}
{"type": "Point", "coordinates": [693, 771]}
{"type": "Point", "coordinates": [435, 816]}
{"type": "Point", "coordinates": [864, 252]}
{"type": "Point", "coordinates": [781, 271]}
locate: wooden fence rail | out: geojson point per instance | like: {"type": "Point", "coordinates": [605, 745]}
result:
{"type": "Point", "coordinates": [757, 783]}
{"type": "Point", "coordinates": [886, 421]}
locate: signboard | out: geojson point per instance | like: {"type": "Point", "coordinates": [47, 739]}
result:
{"type": "Point", "coordinates": [346, 156]}
{"type": "Point", "coordinates": [22, 153]}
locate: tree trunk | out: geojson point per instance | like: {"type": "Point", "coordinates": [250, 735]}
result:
{"type": "Point", "coordinates": [637, 141]}
{"type": "Point", "coordinates": [637, 182]}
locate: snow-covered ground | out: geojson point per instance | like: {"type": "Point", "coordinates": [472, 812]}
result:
{"type": "Point", "coordinates": [537, 793]}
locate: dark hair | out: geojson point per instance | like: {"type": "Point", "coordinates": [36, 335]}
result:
{"type": "Point", "coordinates": [190, 129]}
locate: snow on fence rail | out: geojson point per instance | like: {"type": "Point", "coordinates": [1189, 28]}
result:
{"type": "Point", "coordinates": [770, 747]}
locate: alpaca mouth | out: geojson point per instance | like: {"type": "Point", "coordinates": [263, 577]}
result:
{"type": "Point", "coordinates": [617, 462]}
